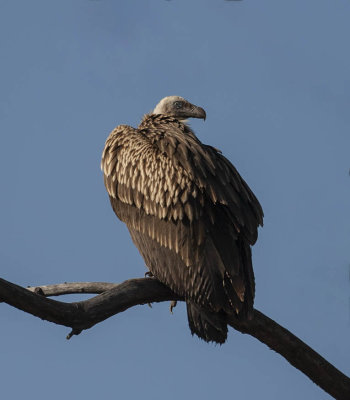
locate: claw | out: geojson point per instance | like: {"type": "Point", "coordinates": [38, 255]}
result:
{"type": "Point", "coordinates": [173, 305]}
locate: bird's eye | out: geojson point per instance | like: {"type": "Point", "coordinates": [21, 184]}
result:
{"type": "Point", "coordinates": [178, 104]}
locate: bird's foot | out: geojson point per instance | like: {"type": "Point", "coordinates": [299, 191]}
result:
{"type": "Point", "coordinates": [173, 305]}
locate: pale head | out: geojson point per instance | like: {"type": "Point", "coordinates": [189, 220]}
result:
{"type": "Point", "coordinates": [178, 107]}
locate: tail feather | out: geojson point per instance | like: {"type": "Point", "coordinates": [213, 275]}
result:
{"type": "Point", "coordinates": [209, 326]}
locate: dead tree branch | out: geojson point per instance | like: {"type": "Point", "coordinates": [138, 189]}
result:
{"type": "Point", "coordinates": [115, 298]}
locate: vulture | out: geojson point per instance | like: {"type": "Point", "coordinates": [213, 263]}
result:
{"type": "Point", "coordinates": [190, 214]}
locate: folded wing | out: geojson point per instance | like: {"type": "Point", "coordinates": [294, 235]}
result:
{"type": "Point", "coordinates": [189, 212]}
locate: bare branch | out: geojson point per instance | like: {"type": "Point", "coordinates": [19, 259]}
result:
{"type": "Point", "coordinates": [72, 288]}
{"type": "Point", "coordinates": [297, 353]}
{"type": "Point", "coordinates": [116, 298]}
{"type": "Point", "coordinates": [84, 314]}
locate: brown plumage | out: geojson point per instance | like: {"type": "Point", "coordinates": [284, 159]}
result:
{"type": "Point", "coordinates": [189, 212]}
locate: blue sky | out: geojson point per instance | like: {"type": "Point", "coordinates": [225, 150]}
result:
{"type": "Point", "coordinates": [274, 79]}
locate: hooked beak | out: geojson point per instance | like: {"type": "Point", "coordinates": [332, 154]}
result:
{"type": "Point", "coordinates": [198, 112]}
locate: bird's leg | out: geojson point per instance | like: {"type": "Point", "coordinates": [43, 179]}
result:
{"type": "Point", "coordinates": [173, 305]}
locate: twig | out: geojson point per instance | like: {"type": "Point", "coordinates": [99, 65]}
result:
{"type": "Point", "coordinates": [73, 288]}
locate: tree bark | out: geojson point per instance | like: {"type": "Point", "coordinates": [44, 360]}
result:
{"type": "Point", "coordinates": [115, 298]}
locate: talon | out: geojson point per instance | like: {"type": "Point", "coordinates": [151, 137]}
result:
{"type": "Point", "coordinates": [173, 305]}
{"type": "Point", "coordinates": [149, 305]}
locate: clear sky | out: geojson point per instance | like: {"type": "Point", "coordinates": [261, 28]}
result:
{"type": "Point", "coordinates": [273, 77]}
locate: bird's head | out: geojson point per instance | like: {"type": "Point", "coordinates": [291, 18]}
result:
{"type": "Point", "coordinates": [179, 108]}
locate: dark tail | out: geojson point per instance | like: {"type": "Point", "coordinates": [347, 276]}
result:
{"type": "Point", "coordinates": [209, 326]}
{"type": "Point", "coordinates": [212, 326]}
